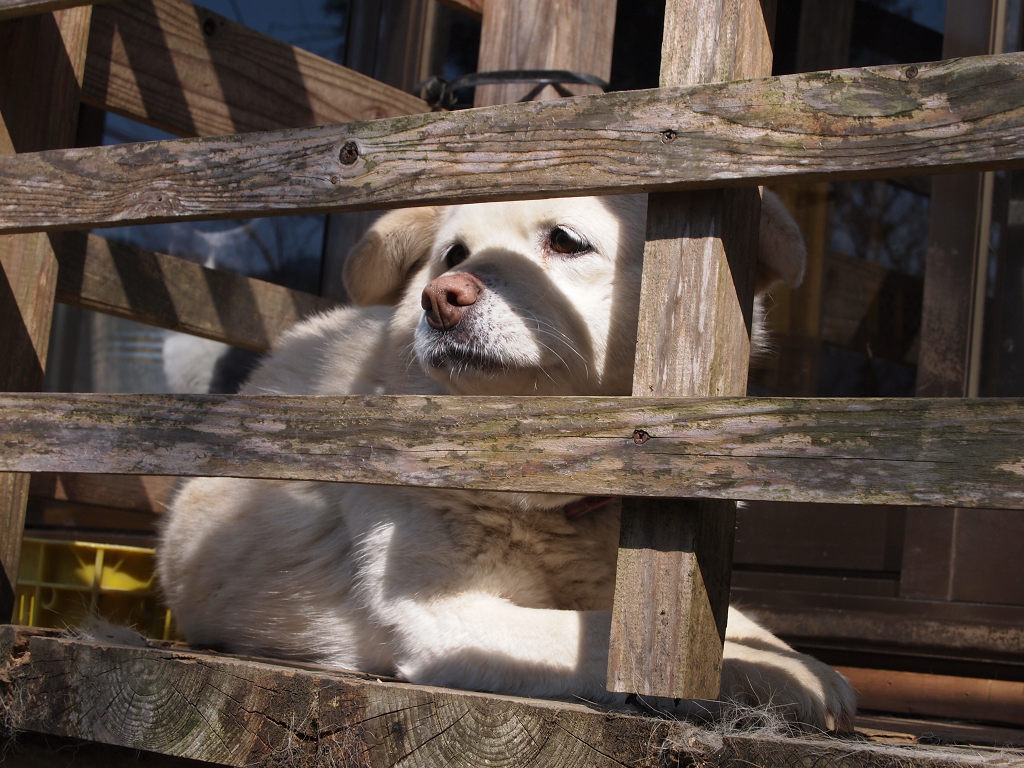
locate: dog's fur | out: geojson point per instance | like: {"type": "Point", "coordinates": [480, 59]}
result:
{"type": "Point", "coordinates": [489, 591]}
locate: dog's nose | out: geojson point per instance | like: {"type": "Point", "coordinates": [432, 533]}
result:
{"type": "Point", "coordinates": [446, 298]}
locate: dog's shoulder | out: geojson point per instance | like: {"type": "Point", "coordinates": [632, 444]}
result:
{"type": "Point", "coordinates": [345, 351]}
{"type": "Point", "coordinates": [324, 354]}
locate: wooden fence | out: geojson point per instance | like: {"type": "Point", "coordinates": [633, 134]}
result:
{"type": "Point", "coordinates": [697, 142]}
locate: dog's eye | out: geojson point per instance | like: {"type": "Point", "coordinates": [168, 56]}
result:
{"type": "Point", "coordinates": [456, 254]}
{"type": "Point", "coordinates": [563, 240]}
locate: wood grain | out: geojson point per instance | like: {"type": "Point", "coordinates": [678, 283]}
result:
{"type": "Point", "coordinates": [169, 292]}
{"type": "Point", "coordinates": [243, 712]}
{"type": "Point", "coordinates": [872, 451]}
{"type": "Point", "coordinates": [965, 113]}
{"type": "Point", "coordinates": [38, 109]}
{"type": "Point", "coordinates": [874, 623]}
{"type": "Point", "coordinates": [574, 35]}
{"type": "Point", "coordinates": [704, 243]}
{"type": "Point", "coordinates": [12, 9]}
{"type": "Point", "coordinates": [192, 72]}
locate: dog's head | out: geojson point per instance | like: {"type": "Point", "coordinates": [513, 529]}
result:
{"type": "Point", "coordinates": [531, 297]}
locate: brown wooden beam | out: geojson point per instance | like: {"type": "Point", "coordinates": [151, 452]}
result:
{"type": "Point", "coordinates": [949, 115]}
{"type": "Point", "coordinates": [192, 72]}
{"type": "Point", "coordinates": [13, 9]}
{"type": "Point", "coordinates": [946, 696]}
{"type": "Point", "coordinates": [966, 633]}
{"type": "Point", "coordinates": [169, 292]}
{"type": "Point", "coordinates": [43, 57]}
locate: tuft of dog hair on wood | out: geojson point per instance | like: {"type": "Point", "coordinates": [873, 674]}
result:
{"type": "Point", "coordinates": [97, 629]}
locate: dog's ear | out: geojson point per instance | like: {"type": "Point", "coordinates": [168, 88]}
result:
{"type": "Point", "coordinates": [782, 254]}
{"type": "Point", "coordinates": [380, 264]}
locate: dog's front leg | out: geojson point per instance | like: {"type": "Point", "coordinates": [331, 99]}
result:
{"type": "Point", "coordinates": [427, 576]}
{"type": "Point", "coordinates": [483, 642]}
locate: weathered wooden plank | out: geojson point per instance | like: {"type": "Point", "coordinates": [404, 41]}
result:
{"type": "Point", "coordinates": [241, 712]}
{"type": "Point", "coordinates": [964, 113]}
{"type": "Point", "coordinates": [898, 451]}
{"type": "Point", "coordinates": [169, 292]}
{"type": "Point", "coordinates": [38, 109]}
{"type": "Point", "coordinates": [192, 72]}
{"type": "Point", "coordinates": [12, 9]}
{"type": "Point", "coordinates": [675, 558]}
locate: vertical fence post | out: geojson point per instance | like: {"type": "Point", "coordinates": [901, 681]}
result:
{"type": "Point", "coordinates": [44, 56]}
{"type": "Point", "coordinates": [672, 582]}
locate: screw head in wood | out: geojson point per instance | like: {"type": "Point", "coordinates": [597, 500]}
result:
{"type": "Point", "coordinates": [640, 436]}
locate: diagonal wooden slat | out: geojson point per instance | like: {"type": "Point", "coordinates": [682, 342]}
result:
{"type": "Point", "coordinates": [12, 9]}
{"type": "Point", "coordinates": [868, 451]}
{"type": "Point", "coordinates": [169, 292]}
{"type": "Point", "coordinates": [192, 72]}
{"type": "Point", "coordinates": [952, 115]}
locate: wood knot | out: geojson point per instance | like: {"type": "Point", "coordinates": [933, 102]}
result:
{"type": "Point", "coordinates": [640, 436]}
{"type": "Point", "coordinates": [349, 153]}
{"type": "Point", "coordinates": [668, 136]}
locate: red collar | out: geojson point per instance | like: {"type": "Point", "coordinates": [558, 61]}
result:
{"type": "Point", "coordinates": [577, 509]}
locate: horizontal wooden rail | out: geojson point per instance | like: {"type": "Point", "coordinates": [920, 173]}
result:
{"type": "Point", "coordinates": [169, 292]}
{"type": "Point", "coordinates": [887, 451]}
{"type": "Point", "coordinates": [191, 72]}
{"type": "Point", "coordinates": [243, 712]}
{"type": "Point", "coordinates": [12, 9]}
{"type": "Point", "coordinates": [986, 633]}
{"type": "Point", "coordinates": [953, 115]}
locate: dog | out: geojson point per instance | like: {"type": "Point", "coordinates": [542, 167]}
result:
{"type": "Point", "coordinates": [490, 591]}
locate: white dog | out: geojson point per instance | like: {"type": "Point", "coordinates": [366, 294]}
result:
{"type": "Point", "coordinates": [488, 591]}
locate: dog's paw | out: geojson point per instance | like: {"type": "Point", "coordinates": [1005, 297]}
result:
{"type": "Point", "coordinates": [801, 689]}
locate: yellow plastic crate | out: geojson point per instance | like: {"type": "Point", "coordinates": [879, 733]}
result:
{"type": "Point", "coordinates": [61, 583]}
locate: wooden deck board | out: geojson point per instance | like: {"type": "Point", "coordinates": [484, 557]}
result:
{"type": "Point", "coordinates": [241, 712]}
